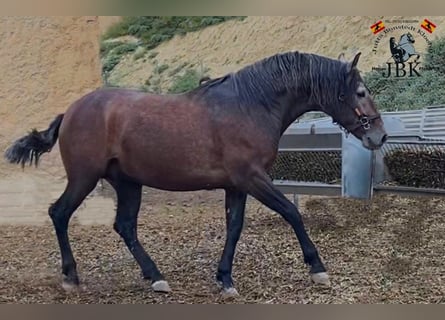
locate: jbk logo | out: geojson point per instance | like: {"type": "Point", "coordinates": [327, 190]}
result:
{"type": "Point", "coordinates": [403, 60]}
{"type": "Point", "coordinates": [400, 70]}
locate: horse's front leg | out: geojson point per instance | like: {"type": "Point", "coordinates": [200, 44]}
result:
{"type": "Point", "coordinates": [264, 191]}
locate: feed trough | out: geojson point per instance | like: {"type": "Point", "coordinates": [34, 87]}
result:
{"type": "Point", "coordinates": [316, 157]}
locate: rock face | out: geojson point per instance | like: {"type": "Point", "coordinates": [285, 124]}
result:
{"type": "Point", "coordinates": [46, 63]}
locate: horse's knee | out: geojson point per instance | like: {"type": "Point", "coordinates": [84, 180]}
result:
{"type": "Point", "coordinates": [123, 228]}
{"type": "Point", "coordinates": [60, 213]}
{"type": "Point", "coordinates": [54, 211]}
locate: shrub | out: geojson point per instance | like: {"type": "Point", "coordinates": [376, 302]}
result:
{"type": "Point", "coordinates": [109, 63]}
{"type": "Point", "coordinates": [139, 53]}
{"type": "Point", "coordinates": [161, 68]}
{"type": "Point", "coordinates": [185, 82]}
{"type": "Point", "coordinates": [435, 58]}
{"type": "Point", "coordinates": [153, 30]}
{"type": "Point", "coordinates": [114, 55]}
{"type": "Point", "coordinates": [107, 46]}
{"type": "Point", "coordinates": [124, 49]}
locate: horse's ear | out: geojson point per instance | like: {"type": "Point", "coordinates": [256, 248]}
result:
{"type": "Point", "coordinates": [355, 61]}
{"type": "Point", "coordinates": [342, 57]}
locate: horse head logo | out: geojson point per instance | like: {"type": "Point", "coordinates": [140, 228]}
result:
{"type": "Point", "coordinates": [404, 50]}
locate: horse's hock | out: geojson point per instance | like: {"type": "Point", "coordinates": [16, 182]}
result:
{"type": "Point", "coordinates": [46, 63]}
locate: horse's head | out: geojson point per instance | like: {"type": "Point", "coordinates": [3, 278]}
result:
{"type": "Point", "coordinates": [355, 110]}
{"type": "Point", "coordinates": [408, 36]}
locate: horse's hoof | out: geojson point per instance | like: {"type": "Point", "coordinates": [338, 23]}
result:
{"type": "Point", "coordinates": [69, 287]}
{"type": "Point", "coordinates": [321, 278]}
{"type": "Point", "coordinates": [229, 292]}
{"type": "Point", "coordinates": [69, 284]}
{"type": "Point", "coordinates": [161, 286]}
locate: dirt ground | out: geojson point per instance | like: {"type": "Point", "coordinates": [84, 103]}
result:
{"type": "Point", "coordinates": [387, 251]}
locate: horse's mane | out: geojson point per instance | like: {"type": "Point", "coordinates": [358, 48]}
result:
{"type": "Point", "coordinates": [320, 77]}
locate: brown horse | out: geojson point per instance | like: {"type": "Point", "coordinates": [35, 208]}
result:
{"type": "Point", "coordinates": [224, 134]}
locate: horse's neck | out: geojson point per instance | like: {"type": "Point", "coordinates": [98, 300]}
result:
{"type": "Point", "coordinates": [403, 40]}
{"type": "Point", "coordinates": [288, 105]}
{"type": "Point", "coordinates": [294, 113]}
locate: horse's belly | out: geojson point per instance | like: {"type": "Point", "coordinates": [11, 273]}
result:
{"type": "Point", "coordinates": [168, 169]}
{"type": "Point", "coordinates": [182, 186]}
{"type": "Point", "coordinates": [179, 180]}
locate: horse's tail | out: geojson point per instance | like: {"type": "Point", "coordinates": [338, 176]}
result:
{"type": "Point", "coordinates": [30, 147]}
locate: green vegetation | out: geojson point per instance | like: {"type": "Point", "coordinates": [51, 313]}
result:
{"type": "Point", "coordinates": [186, 82]}
{"type": "Point", "coordinates": [177, 69]}
{"type": "Point", "coordinates": [153, 30]}
{"type": "Point", "coordinates": [150, 32]}
{"type": "Point", "coordinates": [112, 53]}
{"type": "Point", "coordinates": [417, 92]}
{"type": "Point", "coordinates": [435, 59]}
{"type": "Point", "coordinates": [160, 68]}
{"type": "Point", "coordinates": [139, 53]}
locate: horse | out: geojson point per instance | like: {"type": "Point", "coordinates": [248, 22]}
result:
{"type": "Point", "coordinates": [224, 134]}
{"type": "Point", "coordinates": [403, 51]}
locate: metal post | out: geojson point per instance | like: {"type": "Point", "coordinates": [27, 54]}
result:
{"type": "Point", "coordinates": [296, 200]}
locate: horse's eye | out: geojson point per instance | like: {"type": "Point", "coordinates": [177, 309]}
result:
{"type": "Point", "coordinates": [341, 97]}
{"type": "Point", "coordinates": [361, 94]}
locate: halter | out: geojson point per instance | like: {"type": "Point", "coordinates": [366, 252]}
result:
{"type": "Point", "coordinates": [364, 121]}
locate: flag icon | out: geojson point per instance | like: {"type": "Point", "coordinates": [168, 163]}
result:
{"type": "Point", "coordinates": [377, 27]}
{"type": "Point", "coordinates": [428, 25]}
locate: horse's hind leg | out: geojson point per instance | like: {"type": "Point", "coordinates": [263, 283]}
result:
{"type": "Point", "coordinates": [60, 213]}
{"type": "Point", "coordinates": [128, 204]}
{"type": "Point", "coordinates": [235, 208]}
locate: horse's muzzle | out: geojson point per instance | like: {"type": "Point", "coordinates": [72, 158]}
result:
{"type": "Point", "coordinates": [374, 139]}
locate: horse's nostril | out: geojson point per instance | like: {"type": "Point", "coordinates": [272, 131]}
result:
{"type": "Point", "coordinates": [384, 138]}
